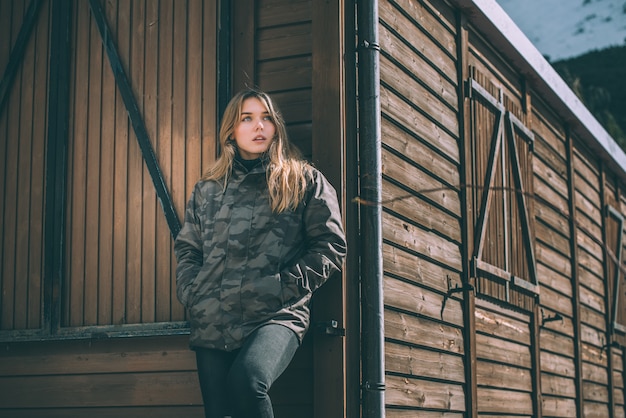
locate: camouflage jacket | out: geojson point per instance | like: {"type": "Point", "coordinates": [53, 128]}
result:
{"type": "Point", "coordinates": [240, 266]}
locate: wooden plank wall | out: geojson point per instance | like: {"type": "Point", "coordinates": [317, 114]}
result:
{"type": "Point", "coordinates": [121, 261]}
{"type": "Point", "coordinates": [614, 197]}
{"type": "Point", "coordinates": [505, 360]}
{"type": "Point", "coordinates": [421, 209]}
{"type": "Point", "coordinates": [592, 281]}
{"type": "Point", "coordinates": [22, 171]}
{"type": "Point", "coordinates": [283, 49]}
{"type": "Point", "coordinates": [554, 263]}
{"type": "Point", "coordinates": [284, 63]}
{"type": "Point", "coordinates": [152, 377]}
{"type": "Point", "coordinates": [504, 365]}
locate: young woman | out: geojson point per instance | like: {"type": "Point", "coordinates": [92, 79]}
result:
{"type": "Point", "coordinates": [262, 232]}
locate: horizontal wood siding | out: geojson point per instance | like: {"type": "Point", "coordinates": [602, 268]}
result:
{"type": "Point", "coordinates": [119, 257]}
{"type": "Point", "coordinates": [504, 361]}
{"type": "Point", "coordinates": [618, 383]}
{"type": "Point", "coordinates": [595, 378]}
{"type": "Point", "coordinates": [421, 210]}
{"type": "Point", "coordinates": [552, 217]}
{"type": "Point", "coordinates": [148, 377]}
{"type": "Point", "coordinates": [283, 47]}
{"type": "Point", "coordinates": [22, 170]}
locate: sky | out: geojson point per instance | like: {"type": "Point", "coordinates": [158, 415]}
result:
{"type": "Point", "coordinates": [569, 28]}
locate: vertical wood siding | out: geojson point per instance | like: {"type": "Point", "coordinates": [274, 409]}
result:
{"type": "Point", "coordinates": [120, 263]}
{"type": "Point", "coordinates": [22, 170]}
{"type": "Point", "coordinates": [421, 209]}
{"type": "Point", "coordinates": [500, 179]}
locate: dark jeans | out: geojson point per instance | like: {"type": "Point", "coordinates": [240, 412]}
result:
{"type": "Point", "coordinates": [236, 383]}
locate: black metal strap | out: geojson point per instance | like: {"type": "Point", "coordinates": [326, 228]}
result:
{"type": "Point", "coordinates": [136, 119]}
{"type": "Point", "coordinates": [18, 50]}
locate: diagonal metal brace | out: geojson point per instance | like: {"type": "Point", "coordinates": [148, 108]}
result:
{"type": "Point", "coordinates": [18, 50]}
{"type": "Point", "coordinates": [136, 119]}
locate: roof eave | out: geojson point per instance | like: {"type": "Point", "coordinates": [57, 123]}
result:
{"type": "Point", "coordinates": [494, 23]}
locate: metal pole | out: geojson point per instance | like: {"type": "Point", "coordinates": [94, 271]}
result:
{"type": "Point", "coordinates": [372, 310]}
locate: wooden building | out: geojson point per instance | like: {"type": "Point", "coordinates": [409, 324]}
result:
{"type": "Point", "coordinates": [484, 207]}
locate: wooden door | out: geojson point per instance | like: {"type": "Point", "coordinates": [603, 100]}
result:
{"type": "Point", "coordinates": [141, 130]}
{"type": "Point", "coordinates": [502, 251]}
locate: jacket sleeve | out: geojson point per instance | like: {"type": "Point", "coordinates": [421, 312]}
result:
{"type": "Point", "coordinates": [188, 250]}
{"type": "Point", "coordinates": [325, 239]}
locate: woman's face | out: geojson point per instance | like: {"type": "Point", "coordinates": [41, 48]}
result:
{"type": "Point", "coordinates": [254, 132]}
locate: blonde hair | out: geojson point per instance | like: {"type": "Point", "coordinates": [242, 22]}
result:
{"type": "Point", "coordinates": [286, 171]}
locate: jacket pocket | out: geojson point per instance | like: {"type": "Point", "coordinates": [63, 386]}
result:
{"type": "Point", "coordinates": [262, 296]}
{"type": "Point", "coordinates": [292, 290]}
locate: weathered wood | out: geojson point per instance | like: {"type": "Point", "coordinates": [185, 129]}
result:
{"type": "Point", "coordinates": [424, 332]}
{"type": "Point", "coordinates": [409, 297]}
{"type": "Point", "coordinates": [595, 284]}
{"type": "Point", "coordinates": [418, 393]}
{"type": "Point", "coordinates": [556, 301]}
{"type": "Point", "coordinates": [550, 150]}
{"type": "Point", "coordinates": [556, 202]}
{"type": "Point", "coordinates": [495, 349]}
{"type": "Point", "coordinates": [556, 342]}
{"type": "Point", "coordinates": [552, 178]}
{"type": "Point", "coordinates": [503, 376]}
{"type": "Point", "coordinates": [554, 280]}
{"type": "Point", "coordinates": [413, 207]}
{"type": "Point", "coordinates": [554, 218]}
{"type": "Point", "coordinates": [592, 300]}
{"type": "Point", "coordinates": [551, 239]}
{"type": "Point", "coordinates": [418, 37]}
{"type": "Point", "coordinates": [595, 392]}
{"type": "Point", "coordinates": [499, 325]}
{"type": "Point", "coordinates": [557, 385]}
{"type": "Point", "coordinates": [419, 123]}
{"type": "Point", "coordinates": [595, 410]}
{"type": "Point", "coordinates": [427, 364]}
{"type": "Point", "coordinates": [504, 402]}
{"type": "Point", "coordinates": [557, 364]}
{"type": "Point", "coordinates": [559, 407]}
{"type": "Point", "coordinates": [418, 270]}
{"type": "Point", "coordinates": [433, 17]}
{"type": "Point", "coordinates": [553, 259]}
{"type": "Point", "coordinates": [596, 371]}
{"type": "Point", "coordinates": [420, 181]}
{"type": "Point", "coordinates": [592, 245]}
{"type": "Point", "coordinates": [422, 153]}
{"type": "Point", "coordinates": [420, 241]}
{"type": "Point", "coordinates": [420, 96]}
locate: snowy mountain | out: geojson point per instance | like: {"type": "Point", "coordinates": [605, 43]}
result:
{"type": "Point", "coordinates": [562, 29]}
